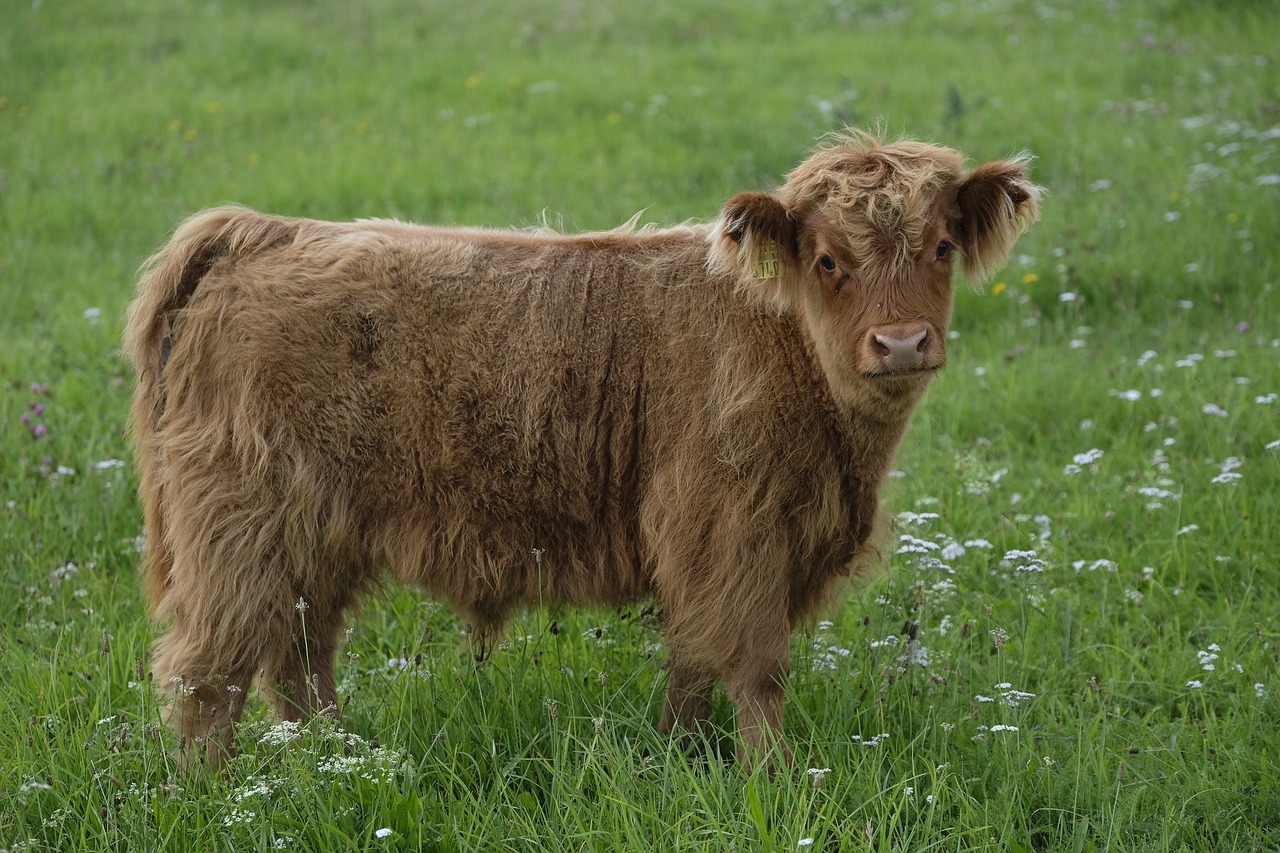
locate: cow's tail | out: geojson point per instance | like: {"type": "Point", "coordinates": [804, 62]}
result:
{"type": "Point", "coordinates": [168, 280]}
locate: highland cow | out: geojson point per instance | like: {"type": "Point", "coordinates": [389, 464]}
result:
{"type": "Point", "coordinates": [701, 415]}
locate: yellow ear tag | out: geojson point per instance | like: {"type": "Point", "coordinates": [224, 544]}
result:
{"type": "Point", "coordinates": [767, 267]}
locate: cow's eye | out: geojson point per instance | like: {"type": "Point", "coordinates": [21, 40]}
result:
{"type": "Point", "coordinates": [827, 263]}
{"type": "Point", "coordinates": [944, 250]}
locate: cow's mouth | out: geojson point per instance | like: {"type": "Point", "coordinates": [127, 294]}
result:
{"type": "Point", "coordinates": [902, 374]}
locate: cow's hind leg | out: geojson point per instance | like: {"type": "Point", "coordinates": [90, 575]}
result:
{"type": "Point", "coordinates": [231, 607]}
{"type": "Point", "coordinates": [298, 675]}
{"type": "Point", "coordinates": [205, 678]}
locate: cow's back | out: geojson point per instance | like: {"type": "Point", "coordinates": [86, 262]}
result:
{"type": "Point", "coordinates": [481, 411]}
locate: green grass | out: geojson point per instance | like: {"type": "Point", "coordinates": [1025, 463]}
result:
{"type": "Point", "coordinates": [1154, 124]}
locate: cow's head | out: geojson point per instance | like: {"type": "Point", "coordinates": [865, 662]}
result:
{"type": "Point", "coordinates": [861, 241]}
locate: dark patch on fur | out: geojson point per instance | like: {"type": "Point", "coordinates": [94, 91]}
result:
{"type": "Point", "coordinates": [365, 339]}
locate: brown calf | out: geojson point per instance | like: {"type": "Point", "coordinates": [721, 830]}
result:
{"type": "Point", "coordinates": [701, 414]}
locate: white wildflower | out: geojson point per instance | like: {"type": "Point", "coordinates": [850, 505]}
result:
{"type": "Point", "coordinates": [1160, 494]}
{"type": "Point", "coordinates": [64, 571]}
{"type": "Point", "coordinates": [284, 732]}
{"type": "Point", "coordinates": [912, 545]}
{"type": "Point", "coordinates": [915, 653]}
{"type": "Point", "coordinates": [1013, 698]}
{"type": "Point", "coordinates": [1082, 565]}
{"type": "Point", "coordinates": [1088, 457]}
{"type": "Point", "coordinates": [908, 517]}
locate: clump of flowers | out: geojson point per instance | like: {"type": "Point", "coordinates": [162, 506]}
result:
{"type": "Point", "coordinates": [1081, 460]}
{"type": "Point", "coordinates": [32, 418]}
{"type": "Point", "coordinates": [826, 654]}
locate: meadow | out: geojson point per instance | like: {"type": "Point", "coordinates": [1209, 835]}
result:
{"type": "Point", "coordinates": [1074, 644]}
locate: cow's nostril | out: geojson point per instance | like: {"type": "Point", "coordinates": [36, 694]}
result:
{"type": "Point", "coordinates": [905, 353]}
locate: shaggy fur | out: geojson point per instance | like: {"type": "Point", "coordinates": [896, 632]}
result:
{"type": "Point", "coordinates": [320, 406]}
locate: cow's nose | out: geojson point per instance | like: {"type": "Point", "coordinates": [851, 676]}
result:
{"type": "Point", "coordinates": [906, 353]}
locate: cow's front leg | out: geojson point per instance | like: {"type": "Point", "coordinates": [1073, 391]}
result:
{"type": "Point", "coordinates": [688, 702]}
{"type": "Point", "coordinates": [755, 678]}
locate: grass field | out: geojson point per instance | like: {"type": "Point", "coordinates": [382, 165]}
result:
{"type": "Point", "coordinates": [1077, 645]}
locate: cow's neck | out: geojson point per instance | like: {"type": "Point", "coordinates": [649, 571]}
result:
{"type": "Point", "coordinates": [869, 425]}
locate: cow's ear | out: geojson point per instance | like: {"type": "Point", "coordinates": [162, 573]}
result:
{"type": "Point", "coordinates": [996, 203]}
{"type": "Point", "coordinates": [755, 239]}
